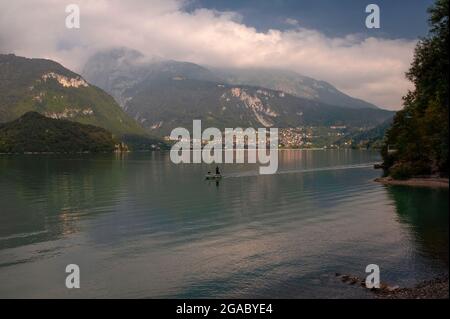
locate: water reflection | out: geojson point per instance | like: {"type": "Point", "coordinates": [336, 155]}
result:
{"type": "Point", "coordinates": [45, 197]}
{"type": "Point", "coordinates": [425, 213]}
{"type": "Point", "coordinates": [144, 227]}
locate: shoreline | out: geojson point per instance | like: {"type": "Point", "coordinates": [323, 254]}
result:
{"type": "Point", "coordinates": [431, 289]}
{"type": "Point", "coordinates": [430, 182]}
{"type": "Point", "coordinates": [437, 288]}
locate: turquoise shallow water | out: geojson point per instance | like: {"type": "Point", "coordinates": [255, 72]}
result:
{"type": "Point", "coordinates": [141, 227]}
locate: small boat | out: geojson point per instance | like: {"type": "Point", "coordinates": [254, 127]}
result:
{"type": "Point", "coordinates": [213, 177]}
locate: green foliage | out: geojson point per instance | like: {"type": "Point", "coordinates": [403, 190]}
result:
{"type": "Point", "coordinates": [401, 171]}
{"type": "Point", "coordinates": [143, 143]}
{"type": "Point", "coordinates": [419, 133]}
{"type": "Point", "coordinates": [36, 133]}
{"type": "Point", "coordinates": [22, 89]}
{"type": "Point", "coordinates": [372, 138]}
{"type": "Point", "coordinates": [409, 169]}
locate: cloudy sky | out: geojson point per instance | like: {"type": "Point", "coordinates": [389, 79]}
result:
{"type": "Point", "coordinates": [323, 39]}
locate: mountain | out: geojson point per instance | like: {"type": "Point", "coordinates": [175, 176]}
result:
{"type": "Point", "coordinates": [33, 132]}
{"type": "Point", "coordinates": [163, 104]}
{"type": "Point", "coordinates": [292, 83]}
{"type": "Point", "coordinates": [120, 69]}
{"type": "Point", "coordinates": [162, 95]}
{"type": "Point", "coordinates": [47, 87]}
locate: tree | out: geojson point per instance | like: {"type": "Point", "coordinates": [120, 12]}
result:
{"type": "Point", "coordinates": [419, 133]}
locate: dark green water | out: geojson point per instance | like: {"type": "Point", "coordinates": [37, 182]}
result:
{"type": "Point", "coordinates": [139, 226]}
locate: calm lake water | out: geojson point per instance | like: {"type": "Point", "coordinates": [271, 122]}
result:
{"type": "Point", "coordinates": [141, 227]}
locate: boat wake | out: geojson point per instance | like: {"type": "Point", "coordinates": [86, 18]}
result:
{"type": "Point", "coordinates": [300, 171]}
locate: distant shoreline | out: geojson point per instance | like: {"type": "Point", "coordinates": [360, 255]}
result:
{"type": "Point", "coordinates": [61, 153]}
{"type": "Point", "coordinates": [431, 182]}
{"type": "Point", "coordinates": [164, 150]}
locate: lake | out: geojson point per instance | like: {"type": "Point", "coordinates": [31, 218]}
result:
{"type": "Point", "coordinates": [139, 226]}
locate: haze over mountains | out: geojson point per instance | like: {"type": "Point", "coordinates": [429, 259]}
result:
{"type": "Point", "coordinates": [162, 94]}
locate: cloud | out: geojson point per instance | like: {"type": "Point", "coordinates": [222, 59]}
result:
{"type": "Point", "coordinates": [369, 68]}
{"type": "Point", "coordinates": [291, 22]}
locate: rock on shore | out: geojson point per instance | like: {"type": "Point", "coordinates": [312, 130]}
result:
{"type": "Point", "coordinates": [432, 289]}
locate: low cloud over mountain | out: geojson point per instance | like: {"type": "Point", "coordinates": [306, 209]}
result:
{"type": "Point", "coordinates": [368, 68]}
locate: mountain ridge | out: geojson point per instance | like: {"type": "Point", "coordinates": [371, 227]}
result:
{"type": "Point", "coordinates": [49, 88]}
{"type": "Point", "coordinates": [133, 66]}
{"type": "Point", "coordinates": [292, 83]}
{"type": "Point", "coordinates": [163, 95]}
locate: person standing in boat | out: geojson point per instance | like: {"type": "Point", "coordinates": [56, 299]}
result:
{"type": "Point", "coordinates": [217, 170]}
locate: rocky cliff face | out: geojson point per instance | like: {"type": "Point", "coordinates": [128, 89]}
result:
{"type": "Point", "coordinates": [294, 84]}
